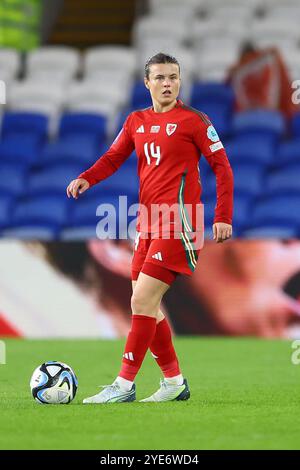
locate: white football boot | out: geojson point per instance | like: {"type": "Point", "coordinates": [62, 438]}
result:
{"type": "Point", "coordinates": [170, 392]}
{"type": "Point", "coordinates": [112, 394]}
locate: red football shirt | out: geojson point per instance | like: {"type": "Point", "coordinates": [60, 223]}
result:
{"type": "Point", "coordinates": [168, 146]}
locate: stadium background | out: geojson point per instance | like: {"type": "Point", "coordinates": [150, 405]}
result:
{"type": "Point", "coordinates": [72, 72]}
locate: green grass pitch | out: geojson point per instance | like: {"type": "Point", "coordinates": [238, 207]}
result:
{"type": "Point", "coordinates": [245, 394]}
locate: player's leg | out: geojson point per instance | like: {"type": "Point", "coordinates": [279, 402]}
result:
{"type": "Point", "coordinates": [163, 350]}
{"type": "Point", "coordinates": [146, 300]}
{"type": "Point", "coordinates": [160, 316]}
{"type": "Point", "coordinates": [145, 304]}
{"type": "Point", "coordinates": [172, 255]}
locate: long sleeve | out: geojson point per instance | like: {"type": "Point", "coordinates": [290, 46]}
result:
{"type": "Point", "coordinates": [208, 142]}
{"type": "Point", "coordinates": [110, 161]}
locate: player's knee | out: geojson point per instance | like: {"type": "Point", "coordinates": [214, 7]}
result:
{"type": "Point", "coordinates": [141, 305]}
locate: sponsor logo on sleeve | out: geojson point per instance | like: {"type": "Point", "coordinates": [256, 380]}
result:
{"type": "Point", "coordinates": [215, 147]}
{"type": "Point", "coordinates": [212, 134]}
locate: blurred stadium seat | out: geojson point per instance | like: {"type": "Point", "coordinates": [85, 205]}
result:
{"type": "Point", "coordinates": [10, 64]}
{"type": "Point", "coordinates": [277, 210]}
{"type": "Point", "coordinates": [6, 206]}
{"type": "Point", "coordinates": [53, 63]}
{"type": "Point", "coordinates": [84, 212]}
{"type": "Point", "coordinates": [271, 232]}
{"type": "Point", "coordinates": [51, 211]}
{"type": "Point", "coordinates": [36, 96]}
{"type": "Point", "coordinates": [79, 233]}
{"type": "Point", "coordinates": [112, 60]}
{"type": "Point", "coordinates": [73, 148]}
{"type": "Point", "coordinates": [22, 136]}
{"type": "Point", "coordinates": [296, 125]}
{"type": "Point", "coordinates": [13, 179]}
{"type": "Point", "coordinates": [284, 181]}
{"type": "Point", "coordinates": [84, 125]}
{"type": "Point", "coordinates": [32, 232]}
{"type": "Point", "coordinates": [259, 123]}
{"type": "Point", "coordinates": [253, 151]}
{"type": "Point", "coordinates": [53, 180]}
{"type": "Point", "coordinates": [140, 96]}
{"type": "Point", "coordinates": [24, 123]}
{"type": "Point", "coordinates": [20, 148]}
{"type": "Point", "coordinates": [288, 152]}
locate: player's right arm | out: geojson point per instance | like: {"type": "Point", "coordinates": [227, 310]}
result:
{"type": "Point", "coordinates": [108, 163]}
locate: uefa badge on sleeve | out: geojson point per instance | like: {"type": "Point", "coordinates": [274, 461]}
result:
{"type": "Point", "coordinates": [171, 128]}
{"type": "Point", "coordinates": [212, 134]}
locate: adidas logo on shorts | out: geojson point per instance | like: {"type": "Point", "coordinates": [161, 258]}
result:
{"type": "Point", "coordinates": [157, 256]}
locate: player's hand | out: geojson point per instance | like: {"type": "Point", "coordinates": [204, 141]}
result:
{"type": "Point", "coordinates": [76, 187]}
{"type": "Point", "coordinates": [222, 231]}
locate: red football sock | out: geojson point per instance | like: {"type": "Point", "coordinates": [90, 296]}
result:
{"type": "Point", "coordinates": [163, 350]}
{"type": "Point", "coordinates": [138, 341]}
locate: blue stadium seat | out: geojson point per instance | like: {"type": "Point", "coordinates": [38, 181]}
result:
{"type": "Point", "coordinates": [53, 180]}
{"type": "Point", "coordinates": [220, 116]}
{"type": "Point", "coordinates": [284, 182]}
{"type": "Point", "coordinates": [209, 211]}
{"type": "Point", "coordinates": [205, 168]}
{"type": "Point", "coordinates": [296, 124]}
{"type": "Point", "coordinates": [248, 180]}
{"type": "Point", "coordinates": [84, 216]}
{"type": "Point", "coordinates": [216, 100]}
{"type": "Point", "coordinates": [46, 210]}
{"type": "Point", "coordinates": [6, 206]}
{"type": "Point", "coordinates": [240, 213]}
{"type": "Point", "coordinates": [212, 92]}
{"type": "Point", "coordinates": [208, 182]}
{"type": "Point", "coordinates": [13, 179]}
{"type": "Point", "coordinates": [21, 149]}
{"type": "Point", "coordinates": [270, 231]}
{"type": "Point", "coordinates": [85, 232]}
{"type": "Point", "coordinates": [73, 149]}
{"type": "Point", "coordinates": [242, 210]}
{"type": "Point", "coordinates": [140, 98]}
{"type": "Point", "coordinates": [288, 152]}
{"type": "Point", "coordinates": [276, 210]}
{"type": "Point", "coordinates": [121, 118]}
{"type": "Point", "coordinates": [84, 210]}
{"type": "Point", "coordinates": [83, 125]}
{"type": "Point", "coordinates": [33, 124]}
{"type": "Point", "coordinates": [132, 162]}
{"type": "Point", "coordinates": [32, 232]}
{"type": "Point", "coordinates": [260, 122]}
{"type": "Point", "coordinates": [254, 151]}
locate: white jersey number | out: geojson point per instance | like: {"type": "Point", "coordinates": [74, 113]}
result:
{"type": "Point", "coordinates": [155, 153]}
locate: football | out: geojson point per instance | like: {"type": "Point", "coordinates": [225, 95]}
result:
{"type": "Point", "coordinates": [53, 383]}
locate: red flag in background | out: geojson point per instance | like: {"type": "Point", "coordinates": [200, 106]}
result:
{"type": "Point", "coordinates": [260, 79]}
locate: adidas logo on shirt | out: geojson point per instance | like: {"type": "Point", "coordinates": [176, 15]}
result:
{"type": "Point", "coordinates": [129, 356]}
{"type": "Point", "coordinates": [157, 256]}
{"type": "Point", "coordinates": [140, 130]}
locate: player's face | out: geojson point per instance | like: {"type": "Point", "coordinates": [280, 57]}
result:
{"type": "Point", "coordinates": [163, 83]}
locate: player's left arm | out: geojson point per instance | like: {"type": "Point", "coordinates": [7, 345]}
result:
{"type": "Point", "coordinates": [208, 142]}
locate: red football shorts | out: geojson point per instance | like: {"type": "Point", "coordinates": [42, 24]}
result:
{"type": "Point", "coordinates": [163, 258]}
